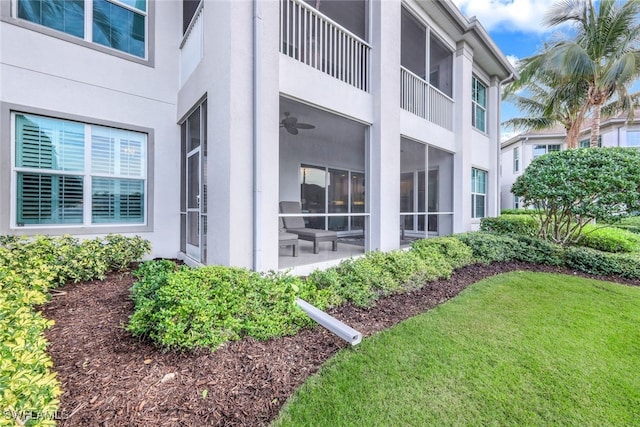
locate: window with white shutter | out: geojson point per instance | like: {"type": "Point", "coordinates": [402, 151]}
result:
{"type": "Point", "coordinates": [69, 172]}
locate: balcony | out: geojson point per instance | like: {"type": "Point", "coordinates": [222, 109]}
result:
{"type": "Point", "coordinates": [311, 37]}
{"type": "Point", "coordinates": [424, 100]}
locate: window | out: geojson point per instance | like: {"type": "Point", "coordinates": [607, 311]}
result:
{"type": "Point", "coordinates": [516, 202]}
{"type": "Point", "coordinates": [479, 105]}
{"type": "Point", "coordinates": [516, 159]}
{"type": "Point", "coordinates": [539, 150]}
{"type": "Point", "coordinates": [74, 173]}
{"type": "Point", "coordinates": [633, 138]}
{"type": "Point", "coordinates": [117, 24]}
{"type": "Point", "coordinates": [586, 143]}
{"type": "Point", "coordinates": [333, 191]}
{"type": "Point", "coordinates": [478, 193]}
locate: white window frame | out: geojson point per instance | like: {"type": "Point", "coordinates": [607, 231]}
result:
{"type": "Point", "coordinates": [474, 121]}
{"type": "Point", "coordinates": [634, 132]}
{"type": "Point", "coordinates": [88, 27]}
{"type": "Point", "coordinates": [516, 159]}
{"type": "Point", "coordinates": [86, 174]}
{"type": "Point", "coordinates": [474, 193]}
{"type": "Point", "coordinates": [546, 149]}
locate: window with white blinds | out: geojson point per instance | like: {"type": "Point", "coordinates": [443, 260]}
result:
{"type": "Point", "coordinates": [75, 173]}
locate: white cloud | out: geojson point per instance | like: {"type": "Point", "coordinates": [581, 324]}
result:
{"type": "Point", "coordinates": [510, 15]}
{"type": "Point", "coordinates": [513, 60]}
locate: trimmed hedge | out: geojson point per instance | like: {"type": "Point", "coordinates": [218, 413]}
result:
{"type": "Point", "coordinates": [604, 263]}
{"type": "Point", "coordinates": [28, 269]}
{"type": "Point", "coordinates": [527, 225]}
{"type": "Point", "coordinates": [631, 223]}
{"type": "Point", "coordinates": [454, 251]}
{"type": "Point", "coordinates": [180, 307]}
{"type": "Point", "coordinates": [609, 239]}
{"type": "Point", "coordinates": [517, 212]}
{"type": "Point", "coordinates": [488, 247]}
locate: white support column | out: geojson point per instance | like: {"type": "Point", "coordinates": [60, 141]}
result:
{"type": "Point", "coordinates": [493, 128]}
{"type": "Point", "coordinates": [384, 140]}
{"type": "Point", "coordinates": [462, 92]}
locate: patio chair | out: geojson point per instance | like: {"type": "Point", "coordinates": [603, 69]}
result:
{"type": "Point", "coordinates": [287, 239]}
{"type": "Point", "coordinates": [296, 225]}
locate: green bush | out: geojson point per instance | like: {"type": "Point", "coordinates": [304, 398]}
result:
{"type": "Point", "coordinates": [29, 267]}
{"type": "Point", "coordinates": [120, 251]}
{"type": "Point", "coordinates": [538, 251]}
{"type": "Point", "coordinates": [604, 263]}
{"type": "Point", "coordinates": [26, 382]}
{"type": "Point", "coordinates": [181, 307]}
{"type": "Point", "coordinates": [517, 212]}
{"type": "Point", "coordinates": [609, 239]}
{"type": "Point", "coordinates": [526, 225]}
{"type": "Point", "coordinates": [75, 260]}
{"type": "Point", "coordinates": [363, 280]}
{"type": "Point", "coordinates": [456, 253]}
{"type": "Point", "coordinates": [631, 223]}
{"type": "Point", "coordinates": [488, 247]}
{"type": "Point", "coordinates": [577, 186]}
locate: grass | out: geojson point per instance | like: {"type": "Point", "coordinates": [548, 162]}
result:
{"type": "Point", "coordinates": [515, 349]}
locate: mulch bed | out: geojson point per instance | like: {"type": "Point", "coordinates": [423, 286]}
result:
{"type": "Point", "coordinates": [110, 378]}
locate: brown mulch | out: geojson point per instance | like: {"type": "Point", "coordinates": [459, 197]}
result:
{"type": "Point", "coordinates": [110, 378]}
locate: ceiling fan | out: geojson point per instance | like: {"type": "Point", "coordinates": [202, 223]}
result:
{"type": "Point", "coordinates": [291, 125]}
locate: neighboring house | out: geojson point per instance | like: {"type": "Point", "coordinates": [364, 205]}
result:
{"type": "Point", "coordinates": [182, 122]}
{"type": "Point", "coordinates": [518, 152]}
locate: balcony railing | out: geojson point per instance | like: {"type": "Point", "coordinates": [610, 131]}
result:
{"type": "Point", "coordinates": [192, 46]}
{"type": "Point", "coordinates": [423, 100]}
{"type": "Point", "coordinates": [310, 37]}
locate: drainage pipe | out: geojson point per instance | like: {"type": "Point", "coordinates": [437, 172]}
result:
{"type": "Point", "coordinates": [342, 330]}
{"type": "Point", "coordinates": [257, 137]}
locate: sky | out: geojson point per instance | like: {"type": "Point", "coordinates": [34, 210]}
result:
{"type": "Point", "coordinates": [516, 26]}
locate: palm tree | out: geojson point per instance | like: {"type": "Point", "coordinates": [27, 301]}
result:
{"type": "Point", "coordinates": [604, 54]}
{"type": "Point", "coordinates": [547, 101]}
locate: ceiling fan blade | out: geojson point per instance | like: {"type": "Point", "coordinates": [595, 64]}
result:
{"type": "Point", "coordinates": [292, 131]}
{"type": "Point", "coordinates": [305, 126]}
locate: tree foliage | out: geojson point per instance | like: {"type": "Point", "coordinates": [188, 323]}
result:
{"type": "Point", "coordinates": [589, 72]}
{"type": "Point", "coordinates": [572, 188]}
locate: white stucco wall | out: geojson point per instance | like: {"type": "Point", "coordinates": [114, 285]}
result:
{"type": "Point", "coordinates": [44, 73]}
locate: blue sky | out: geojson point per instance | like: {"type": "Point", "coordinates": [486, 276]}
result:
{"type": "Point", "coordinates": [516, 27]}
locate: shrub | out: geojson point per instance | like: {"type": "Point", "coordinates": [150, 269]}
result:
{"type": "Point", "coordinates": [121, 251]}
{"type": "Point", "coordinates": [29, 267]}
{"type": "Point", "coordinates": [517, 212]}
{"type": "Point", "coordinates": [538, 251]}
{"type": "Point", "coordinates": [573, 187]}
{"type": "Point", "coordinates": [609, 239]}
{"type": "Point", "coordinates": [604, 263]}
{"type": "Point", "coordinates": [181, 307]}
{"type": "Point", "coordinates": [27, 383]}
{"type": "Point", "coordinates": [631, 223]}
{"type": "Point", "coordinates": [363, 280]}
{"type": "Point", "coordinates": [488, 247]}
{"type": "Point", "coordinates": [526, 225]}
{"type": "Point", "coordinates": [456, 253]}
{"type": "Point", "coordinates": [75, 260]}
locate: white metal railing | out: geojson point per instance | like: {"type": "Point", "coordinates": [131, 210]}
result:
{"type": "Point", "coordinates": [423, 100]}
{"type": "Point", "coordinates": [310, 37]}
{"type": "Point", "coordinates": [440, 108]}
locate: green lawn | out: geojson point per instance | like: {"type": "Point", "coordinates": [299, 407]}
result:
{"type": "Point", "coordinates": [518, 349]}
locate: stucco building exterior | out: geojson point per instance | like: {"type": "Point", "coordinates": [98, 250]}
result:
{"type": "Point", "coordinates": [184, 122]}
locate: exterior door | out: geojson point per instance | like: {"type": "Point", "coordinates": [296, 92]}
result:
{"type": "Point", "coordinates": [193, 203]}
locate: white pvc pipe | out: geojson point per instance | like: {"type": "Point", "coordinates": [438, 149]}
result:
{"type": "Point", "coordinates": [342, 330]}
